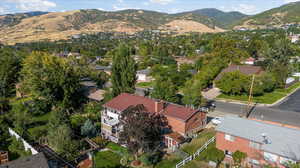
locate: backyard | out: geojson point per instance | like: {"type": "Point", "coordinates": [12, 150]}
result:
{"type": "Point", "coordinates": [114, 153]}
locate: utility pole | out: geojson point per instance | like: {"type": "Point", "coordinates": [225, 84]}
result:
{"type": "Point", "coordinates": [248, 110]}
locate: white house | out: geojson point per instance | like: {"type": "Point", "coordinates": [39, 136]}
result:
{"type": "Point", "coordinates": [295, 38]}
{"type": "Point", "coordinates": [249, 61]}
{"type": "Point", "coordinates": [144, 75]}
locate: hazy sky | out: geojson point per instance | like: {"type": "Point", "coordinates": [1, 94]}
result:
{"type": "Point", "coordinates": [169, 6]}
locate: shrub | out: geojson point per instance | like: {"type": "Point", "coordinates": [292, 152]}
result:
{"type": "Point", "coordinates": [100, 141]}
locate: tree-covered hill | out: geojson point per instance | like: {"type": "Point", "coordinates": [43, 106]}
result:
{"type": "Point", "coordinates": [286, 14]}
{"type": "Point", "coordinates": [222, 19]}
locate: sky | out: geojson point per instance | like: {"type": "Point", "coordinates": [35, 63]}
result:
{"type": "Point", "coordinates": [168, 6]}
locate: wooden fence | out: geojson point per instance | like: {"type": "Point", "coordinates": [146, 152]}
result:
{"type": "Point", "coordinates": [197, 153]}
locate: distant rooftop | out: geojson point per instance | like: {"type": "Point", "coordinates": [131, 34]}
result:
{"type": "Point", "coordinates": [283, 141]}
{"type": "Point", "coordinates": [244, 69]}
{"type": "Point", "coordinates": [144, 71]}
{"type": "Point", "coordinates": [35, 161]}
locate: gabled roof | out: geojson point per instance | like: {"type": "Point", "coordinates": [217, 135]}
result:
{"type": "Point", "coordinates": [35, 161]}
{"type": "Point", "coordinates": [244, 69]}
{"type": "Point", "coordinates": [282, 141]}
{"type": "Point", "coordinates": [125, 100]}
{"type": "Point", "coordinates": [250, 59]}
{"type": "Point", "coordinates": [144, 71]}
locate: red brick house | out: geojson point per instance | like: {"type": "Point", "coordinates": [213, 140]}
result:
{"type": "Point", "coordinates": [263, 143]}
{"type": "Point", "coordinates": [183, 121]}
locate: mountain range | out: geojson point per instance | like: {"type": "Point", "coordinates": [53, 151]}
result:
{"type": "Point", "coordinates": [33, 26]}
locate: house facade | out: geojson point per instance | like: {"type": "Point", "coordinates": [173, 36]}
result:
{"type": "Point", "coordinates": [264, 143]}
{"type": "Point", "coordinates": [143, 75]}
{"type": "Point", "coordinates": [183, 121]}
{"type": "Point", "coordinates": [249, 61]}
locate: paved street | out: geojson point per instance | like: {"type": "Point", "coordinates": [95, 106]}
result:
{"type": "Point", "coordinates": [291, 103]}
{"type": "Point", "coordinates": [262, 113]}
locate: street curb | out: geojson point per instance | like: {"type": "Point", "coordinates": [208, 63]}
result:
{"type": "Point", "coordinates": [278, 102]}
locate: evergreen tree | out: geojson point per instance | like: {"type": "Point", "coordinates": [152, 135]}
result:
{"type": "Point", "coordinates": [123, 71]}
{"type": "Point", "coordinates": [88, 129]}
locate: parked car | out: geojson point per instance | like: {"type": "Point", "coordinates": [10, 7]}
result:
{"type": "Point", "coordinates": [216, 120]}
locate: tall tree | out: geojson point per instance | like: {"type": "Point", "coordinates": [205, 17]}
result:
{"type": "Point", "coordinates": [21, 117]}
{"type": "Point", "coordinates": [165, 90]}
{"type": "Point", "coordinates": [9, 68]}
{"type": "Point", "coordinates": [123, 71]}
{"type": "Point", "coordinates": [52, 78]}
{"type": "Point", "coordinates": [60, 139]}
{"type": "Point", "coordinates": [142, 131]}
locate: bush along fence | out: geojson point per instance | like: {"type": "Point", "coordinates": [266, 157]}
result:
{"type": "Point", "coordinates": [197, 153]}
{"type": "Point", "coordinates": [27, 146]}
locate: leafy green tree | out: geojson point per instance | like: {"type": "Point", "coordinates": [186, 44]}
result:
{"type": "Point", "coordinates": [239, 157]}
{"type": "Point", "coordinates": [165, 90]}
{"type": "Point", "coordinates": [4, 136]}
{"type": "Point", "coordinates": [233, 83]}
{"type": "Point", "coordinates": [142, 131]}
{"type": "Point", "coordinates": [17, 147]}
{"type": "Point", "coordinates": [88, 129]}
{"type": "Point", "coordinates": [39, 107]}
{"type": "Point", "coordinates": [21, 117]}
{"type": "Point", "coordinates": [4, 105]}
{"type": "Point", "coordinates": [9, 68]}
{"type": "Point", "coordinates": [192, 94]}
{"type": "Point", "coordinates": [123, 71]}
{"type": "Point", "coordinates": [52, 78]}
{"type": "Point", "coordinates": [214, 154]}
{"type": "Point", "coordinates": [60, 139]}
{"type": "Point", "coordinates": [58, 117]}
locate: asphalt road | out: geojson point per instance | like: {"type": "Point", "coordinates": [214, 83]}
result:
{"type": "Point", "coordinates": [291, 103]}
{"type": "Point", "coordinates": [262, 113]}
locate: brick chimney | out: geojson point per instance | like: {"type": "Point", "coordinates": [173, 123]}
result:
{"type": "Point", "coordinates": [159, 106]}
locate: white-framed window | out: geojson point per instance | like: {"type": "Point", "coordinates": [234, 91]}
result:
{"type": "Point", "coordinates": [254, 145]}
{"type": "Point", "coordinates": [229, 137]}
{"type": "Point", "coordinates": [270, 157]}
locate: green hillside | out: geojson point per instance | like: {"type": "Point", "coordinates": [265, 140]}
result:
{"type": "Point", "coordinates": [285, 14]}
{"type": "Point", "coordinates": [222, 19]}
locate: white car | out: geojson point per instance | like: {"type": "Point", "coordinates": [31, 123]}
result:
{"type": "Point", "coordinates": [216, 120]}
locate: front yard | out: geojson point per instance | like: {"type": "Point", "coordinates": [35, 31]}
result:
{"type": "Point", "coordinates": [267, 98]}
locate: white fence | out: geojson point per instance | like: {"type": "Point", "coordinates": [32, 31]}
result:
{"type": "Point", "coordinates": [27, 146]}
{"type": "Point", "coordinates": [197, 153]}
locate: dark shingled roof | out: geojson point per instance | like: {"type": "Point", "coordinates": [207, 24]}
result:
{"type": "Point", "coordinates": [244, 69]}
{"type": "Point", "coordinates": [35, 161]}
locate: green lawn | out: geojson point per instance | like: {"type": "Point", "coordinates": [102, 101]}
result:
{"type": "Point", "coordinates": [267, 98]}
{"type": "Point", "coordinates": [41, 118]}
{"type": "Point", "coordinates": [107, 159]}
{"type": "Point", "coordinates": [196, 143]}
{"type": "Point", "coordinates": [145, 84]}
{"type": "Point", "coordinates": [117, 148]}
{"type": "Point", "coordinates": [169, 162]}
